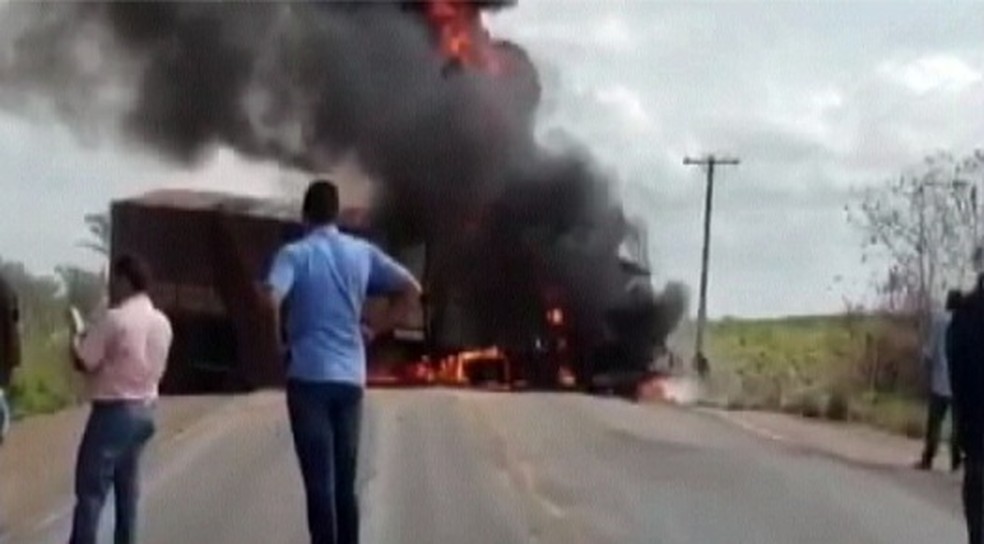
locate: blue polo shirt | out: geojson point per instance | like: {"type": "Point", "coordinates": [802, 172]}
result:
{"type": "Point", "coordinates": [325, 279]}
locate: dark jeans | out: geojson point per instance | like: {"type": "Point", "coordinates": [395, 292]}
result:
{"type": "Point", "coordinates": [938, 407]}
{"type": "Point", "coordinates": [109, 455]}
{"type": "Point", "coordinates": [973, 497]}
{"type": "Point", "coordinates": [325, 419]}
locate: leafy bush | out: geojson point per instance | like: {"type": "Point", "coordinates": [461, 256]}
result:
{"type": "Point", "coordinates": [45, 381]}
{"type": "Point", "coordinates": [853, 367]}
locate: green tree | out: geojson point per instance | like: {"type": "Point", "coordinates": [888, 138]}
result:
{"type": "Point", "coordinates": [44, 381]}
{"type": "Point", "coordinates": [100, 233]}
{"type": "Point", "coordinates": [38, 297]}
{"type": "Point", "coordinates": [83, 289]}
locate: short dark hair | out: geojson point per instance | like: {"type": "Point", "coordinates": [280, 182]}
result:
{"type": "Point", "coordinates": [134, 270]}
{"type": "Point", "coordinates": [953, 299]}
{"type": "Point", "coordinates": [321, 204]}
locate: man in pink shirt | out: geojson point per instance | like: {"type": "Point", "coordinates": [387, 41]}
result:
{"type": "Point", "coordinates": [123, 357]}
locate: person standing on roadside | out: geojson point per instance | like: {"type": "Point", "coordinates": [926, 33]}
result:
{"type": "Point", "coordinates": [965, 353]}
{"type": "Point", "coordinates": [123, 358]}
{"type": "Point", "coordinates": [935, 359]}
{"type": "Point", "coordinates": [9, 349]}
{"type": "Point", "coordinates": [325, 278]}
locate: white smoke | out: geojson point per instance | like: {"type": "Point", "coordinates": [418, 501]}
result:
{"type": "Point", "coordinates": [685, 390]}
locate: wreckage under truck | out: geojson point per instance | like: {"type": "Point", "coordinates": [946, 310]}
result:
{"type": "Point", "coordinates": [200, 244]}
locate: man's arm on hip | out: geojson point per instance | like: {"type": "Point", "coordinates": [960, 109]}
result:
{"type": "Point", "coordinates": [392, 280]}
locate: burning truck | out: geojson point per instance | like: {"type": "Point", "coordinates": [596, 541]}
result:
{"type": "Point", "coordinates": [519, 243]}
{"type": "Point", "coordinates": [198, 242]}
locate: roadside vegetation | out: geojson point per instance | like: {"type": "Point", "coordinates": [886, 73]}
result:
{"type": "Point", "coordinates": [842, 368]}
{"type": "Point", "coordinates": [45, 381]}
{"type": "Point", "coordinates": [920, 233]}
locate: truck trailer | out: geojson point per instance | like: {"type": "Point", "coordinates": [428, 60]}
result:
{"type": "Point", "coordinates": [197, 243]}
{"type": "Point", "coordinates": [208, 249]}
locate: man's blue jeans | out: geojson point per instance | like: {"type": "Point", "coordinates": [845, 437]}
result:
{"type": "Point", "coordinates": [109, 456]}
{"type": "Point", "coordinates": [325, 419]}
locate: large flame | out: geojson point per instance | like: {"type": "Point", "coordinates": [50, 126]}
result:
{"type": "Point", "coordinates": [463, 39]}
{"type": "Point", "coordinates": [453, 370]}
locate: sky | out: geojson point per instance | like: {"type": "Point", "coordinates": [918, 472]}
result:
{"type": "Point", "coordinates": [817, 99]}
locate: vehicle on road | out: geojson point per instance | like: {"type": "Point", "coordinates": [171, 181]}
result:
{"type": "Point", "coordinates": [208, 248]}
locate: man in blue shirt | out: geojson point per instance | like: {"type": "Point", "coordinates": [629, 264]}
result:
{"type": "Point", "coordinates": [934, 357]}
{"type": "Point", "coordinates": [324, 279]}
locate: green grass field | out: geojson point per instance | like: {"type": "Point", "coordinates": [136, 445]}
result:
{"type": "Point", "coordinates": [839, 367]}
{"type": "Point", "coordinates": [44, 382]}
{"type": "Point", "coordinates": [810, 366]}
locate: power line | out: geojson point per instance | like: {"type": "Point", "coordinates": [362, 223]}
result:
{"type": "Point", "coordinates": [709, 163]}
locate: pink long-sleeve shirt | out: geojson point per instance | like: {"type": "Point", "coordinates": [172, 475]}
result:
{"type": "Point", "coordinates": [125, 352]}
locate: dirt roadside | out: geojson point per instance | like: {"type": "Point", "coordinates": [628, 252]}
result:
{"type": "Point", "coordinates": [852, 442]}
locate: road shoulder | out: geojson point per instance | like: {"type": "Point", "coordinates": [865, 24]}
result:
{"type": "Point", "coordinates": [36, 462]}
{"type": "Point", "coordinates": [848, 441]}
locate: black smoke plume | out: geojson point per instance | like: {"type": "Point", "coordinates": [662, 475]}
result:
{"type": "Point", "coordinates": [514, 228]}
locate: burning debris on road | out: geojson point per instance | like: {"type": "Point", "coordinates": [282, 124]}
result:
{"type": "Point", "coordinates": [437, 112]}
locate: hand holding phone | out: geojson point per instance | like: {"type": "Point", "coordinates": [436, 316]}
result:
{"type": "Point", "coordinates": [76, 327]}
{"type": "Point", "coordinates": [76, 323]}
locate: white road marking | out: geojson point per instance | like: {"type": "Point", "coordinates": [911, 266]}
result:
{"type": "Point", "coordinates": [748, 427]}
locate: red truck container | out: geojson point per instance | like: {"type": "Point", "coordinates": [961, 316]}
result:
{"type": "Point", "coordinates": [207, 251]}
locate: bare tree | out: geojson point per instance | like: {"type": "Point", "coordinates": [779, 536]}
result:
{"type": "Point", "coordinates": [926, 225]}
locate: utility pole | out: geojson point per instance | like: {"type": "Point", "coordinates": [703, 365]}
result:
{"type": "Point", "coordinates": [709, 163]}
{"type": "Point", "coordinates": [974, 196]}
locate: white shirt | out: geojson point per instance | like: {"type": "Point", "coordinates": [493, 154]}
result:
{"type": "Point", "coordinates": [935, 352]}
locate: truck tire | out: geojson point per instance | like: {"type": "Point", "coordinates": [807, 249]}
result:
{"type": "Point", "coordinates": [545, 376]}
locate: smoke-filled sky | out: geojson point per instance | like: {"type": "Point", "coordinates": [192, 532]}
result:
{"type": "Point", "coordinates": [814, 98]}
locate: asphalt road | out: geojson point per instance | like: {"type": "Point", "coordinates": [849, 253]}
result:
{"type": "Point", "coordinates": [485, 468]}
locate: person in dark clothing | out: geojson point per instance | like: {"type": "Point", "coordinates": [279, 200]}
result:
{"type": "Point", "coordinates": [9, 349]}
{"type": "Point", "coordinates": [965, 352]}
{"type": "Point", "coordinates": [940, 400]}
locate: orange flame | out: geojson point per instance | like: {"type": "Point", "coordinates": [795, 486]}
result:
{"type": "Point", "coordinates": [556, 317]}
{"type": "Point", "coordinates": [453, 369]}
{"type": "Point", "coordinates": [462, 37]}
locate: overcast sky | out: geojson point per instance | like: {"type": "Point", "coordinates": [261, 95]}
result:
{"type": "Point", "coordinates": [815, 98]}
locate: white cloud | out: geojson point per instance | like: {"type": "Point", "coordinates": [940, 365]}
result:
{"type": "Point", "coordinates": [613, 33]}
{"type": "Point", "coordinates": [810, 110]}
{"type": "Point", "coordinates": [626, 104]}
{"type": "Point", "coordinates": [936, 72]}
